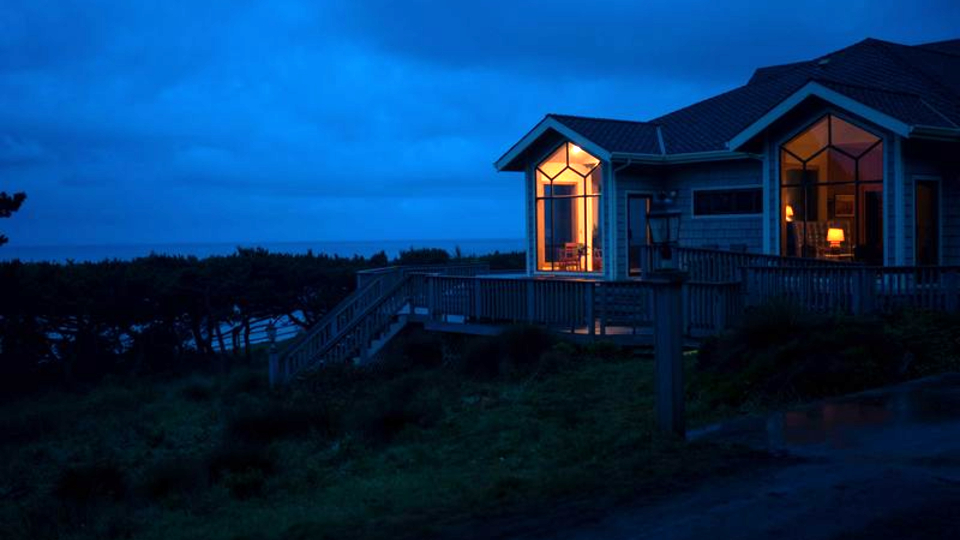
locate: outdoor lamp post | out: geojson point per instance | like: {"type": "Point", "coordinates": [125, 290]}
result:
{"type": "Point", "coordinates": [666, 283]}
{"type": "Point", "coordinates": [664, 220]}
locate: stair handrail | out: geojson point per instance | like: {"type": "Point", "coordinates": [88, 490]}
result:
{"type": "Point", "coordinates": [355, 307]}
{"type": "Point", "coordinates": [359, 297]}
{"type": "Point", "coordinates": [314, 357]}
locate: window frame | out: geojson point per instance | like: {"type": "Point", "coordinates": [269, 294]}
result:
{"type": "Point", "coordinates": [536, 171]}
{"type": "Point", "coordinates": [751, 187]}
{"type": "Point", "coordinates": [781, 149]}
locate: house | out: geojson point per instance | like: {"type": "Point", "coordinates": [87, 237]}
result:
{"type": "Point", "coordinates": [852, 157]}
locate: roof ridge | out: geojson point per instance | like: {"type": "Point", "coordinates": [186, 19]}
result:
{"type": "Point", "coordinates": [912, 68]}
{"type": "Point", "coordinates": [718, 96]}
{"type": "Point", "coordinates": [926, 47]}
{"type": "Point", "coordinates": [864, 87]}
{"type": "Point", "coordinates": [602, 119]}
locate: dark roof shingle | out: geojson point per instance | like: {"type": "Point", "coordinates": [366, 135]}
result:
{"type": "Point", "coordinates": [615, 135]}
{"type": "Point", "coordinates": [919, 85]}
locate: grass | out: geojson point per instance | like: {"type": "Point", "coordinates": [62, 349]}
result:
{"type": "Point", "coordinates": [418, 449]}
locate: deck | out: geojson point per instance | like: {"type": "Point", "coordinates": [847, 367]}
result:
{"type": "Point", "coordinates": [470, 299]}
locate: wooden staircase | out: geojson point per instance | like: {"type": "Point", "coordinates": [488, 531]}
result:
{"type": "Point", "coordinates": [363, 323]}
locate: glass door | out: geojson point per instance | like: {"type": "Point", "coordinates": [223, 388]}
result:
{"type": "Point", "coordinates": [638, 235]}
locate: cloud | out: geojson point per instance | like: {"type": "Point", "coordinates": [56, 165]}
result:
{"type": "Point", "coordinates": [156, 121]}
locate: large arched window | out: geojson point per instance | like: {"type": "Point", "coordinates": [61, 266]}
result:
{"type": "Point", "coordinates": [568, 212]}
{"type": "Point", "coordinates": [831, 193]}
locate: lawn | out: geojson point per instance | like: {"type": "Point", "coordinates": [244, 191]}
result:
{"type": "Point", "coordinates": [449, 432]}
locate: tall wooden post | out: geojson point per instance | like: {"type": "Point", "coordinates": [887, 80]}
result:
{"type": "Point", "coordinates": [667, 287]}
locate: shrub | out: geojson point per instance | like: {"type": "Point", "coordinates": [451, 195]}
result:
{"type": "Point", "coordinates": [402, 404]}
{"type": "Point", "coordinates": [560, 355]}
{"type": "Point", "coordinates": [181, 476]}
{"type": "Point", "coordinates": [236, 458]}
{"type": "Point", "coordinates": [198, 389]}
{"type": "Point", "coordinates": [525, 344]}
{"type": "Point", "coordinates": [517, 349]}
{"type": "Point", "coordinates": [602, 349]}
{"type": "Point", "coordinates": [247, 382]}
{"type": "Point", "coordinates": [482, 358]}
{"type": "Point", "coordinates": [781, 353]}
{"type": "Point", "coordinates": [245, 484]}
{"type": "Point", "coordinates": [423, 256]}
{"type": "Point", "coordinates": [82, 484]}
{"type": "Point", "coordinates": [261, 423]}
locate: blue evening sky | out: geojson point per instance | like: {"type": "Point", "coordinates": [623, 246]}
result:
{"type": "Point", "coordinates": [172, 121]}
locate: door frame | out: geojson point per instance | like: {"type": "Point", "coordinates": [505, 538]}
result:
{"type": "Point", "coordinates": [934, 179]}
{"type": "Point", "coordinates": [634, 194]}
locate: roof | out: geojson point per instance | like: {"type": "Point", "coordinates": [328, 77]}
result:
{"type": "Point", "coordinates": [918, 86]}
{"type": "Point", "coordinates": [617, 136]}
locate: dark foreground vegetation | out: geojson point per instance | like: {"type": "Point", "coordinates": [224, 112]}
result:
{"type": "Point", "coordinates": [161, 438]}
{"type": "Point", "coordinates": [781, 355]}
{"type": "Point", "coordinates": [448, 430]}
{"type": "Point", "coordinates": [75, 323]}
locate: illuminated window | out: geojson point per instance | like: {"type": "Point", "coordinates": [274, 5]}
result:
{"type": "Point", "coordinates": [831, 179]}
{"type": "Point", "coordinates": [568, 211]}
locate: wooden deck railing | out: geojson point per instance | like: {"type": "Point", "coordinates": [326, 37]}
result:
{"type": "Point", "coordinates": [721, 286]}
{"type": "Point", "coordinates": [874, 289]}
{"type": "Point", "coordinates": [460, 269]}
{"type": "Point", "coordinates": [717, 266]}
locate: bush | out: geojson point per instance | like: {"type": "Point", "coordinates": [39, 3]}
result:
{"type": "Point", "coordinates": [402, 404]}
{"type": "Point", "coordinates": [781, 353]}
{"type": "Point", "coordinates": [517, 349]}
{"type": "Point", "coordinates": [198, 390]}
{"type": "Point", "coordinates": [525, 344]}
{"type": "Point", "coordinates": [412, 348]}
{"type": "Point", "coordinates": [261, 423]}
{"type": "Point", "coordinates": [178, 476]}
{"type": "Point", "coordinates": [245, 484]}
{"type": "Point", "coordinates": [83, 484]}
{"type": "Point", "coordinates": [423, 256]}
{"type": "Point", "coordinates": [603, 350]}
{"type": "Point", "coordinates": [559, 356]}
{"type": "Point", "coordinates": [237, 458]}
{"type": "Point", "coordinates": [247, 382]}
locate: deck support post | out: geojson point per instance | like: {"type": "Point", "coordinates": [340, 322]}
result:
{"type": "Point", "coordinates": [667, 288]}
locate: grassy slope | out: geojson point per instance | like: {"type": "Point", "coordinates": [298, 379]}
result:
{"type": "Point", "coordinates": [496, 447]}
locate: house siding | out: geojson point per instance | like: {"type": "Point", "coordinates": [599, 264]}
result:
{"type": "Point", "coordinates": [724, 232]}
{"type": "Point", "coordinates": [904, 160]}
{"type": "Point", "coordinates": [933, 160]}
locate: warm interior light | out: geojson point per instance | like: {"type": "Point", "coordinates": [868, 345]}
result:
{"type": "Point", "coordinates": [574, 149]}
{"type": "Point", "coordinates": [835, 237]}
{"type": "Point", "coordinates": [789, 213]}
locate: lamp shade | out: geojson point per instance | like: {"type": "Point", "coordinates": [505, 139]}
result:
{"type": "Point", "coordinates": [789, 213]}
{"type": "Point", "coordinates": [835, 236]}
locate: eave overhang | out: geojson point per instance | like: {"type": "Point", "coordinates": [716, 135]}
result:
{"type": "Point", "coordinates": [834, 97]}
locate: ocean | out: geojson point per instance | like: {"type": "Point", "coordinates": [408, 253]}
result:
{"type": "Point", "coordinates": [83, 253]}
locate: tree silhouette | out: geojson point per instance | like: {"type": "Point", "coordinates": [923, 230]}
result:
{"type": "Point", "coordinates": [8, 205]}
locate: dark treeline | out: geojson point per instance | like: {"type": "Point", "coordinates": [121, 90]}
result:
{"type": "Point", "coordinates": [75, 322]}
